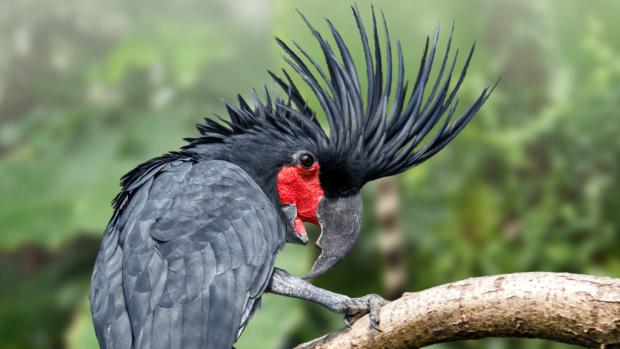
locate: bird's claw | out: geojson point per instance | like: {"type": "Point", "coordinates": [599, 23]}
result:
{"type": "Point", "coordinates": [370, 304]}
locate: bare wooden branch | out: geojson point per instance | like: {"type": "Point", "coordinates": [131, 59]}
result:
{"type": "Point", "coordinates": [570, 308]}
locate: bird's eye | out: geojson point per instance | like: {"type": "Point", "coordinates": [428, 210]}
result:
{"type": "Point", "coordinates": [306, 160]}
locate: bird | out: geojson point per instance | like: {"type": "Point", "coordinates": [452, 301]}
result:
{"type": "Point", "coordinates": [192, 242]}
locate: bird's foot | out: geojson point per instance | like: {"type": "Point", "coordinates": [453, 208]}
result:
{"type": "Point", "coordinates": [355, 308]}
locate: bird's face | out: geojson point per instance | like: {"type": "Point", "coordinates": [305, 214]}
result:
{"type": "Point", "coordinates": [321, 194]}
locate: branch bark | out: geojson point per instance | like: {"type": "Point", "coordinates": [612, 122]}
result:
{"type": "Point", "coordinates": [569, 308]}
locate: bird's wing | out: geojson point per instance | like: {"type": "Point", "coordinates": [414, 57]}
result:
{"type": "Point", "coordinates": [198, 244]}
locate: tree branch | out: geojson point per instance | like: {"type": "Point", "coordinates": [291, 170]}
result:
{"type": "Point", "coordinates": [570, 308]}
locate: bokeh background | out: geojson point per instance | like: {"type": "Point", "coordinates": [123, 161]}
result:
{"type": "Point", "coordinates": [89, 89]}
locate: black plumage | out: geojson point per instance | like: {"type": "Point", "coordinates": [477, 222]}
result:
{"type": "Point", "coordinates": [185, 261]}
{"type": "Point", "coordinates": [387, 138]}
{"type": "Point", "coordinates": [377, 131]}
{"type": "Point", "coordinates": [192, 243]}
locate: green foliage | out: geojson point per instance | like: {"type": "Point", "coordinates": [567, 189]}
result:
{"type": "Point", "coordinates": [88, 91]}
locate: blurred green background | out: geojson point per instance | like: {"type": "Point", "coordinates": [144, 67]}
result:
{"type": "Point", "coordinates": [89, 89]}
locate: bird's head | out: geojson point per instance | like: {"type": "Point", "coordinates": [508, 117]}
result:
{"type": "Point", "coordinates": [378, 130]}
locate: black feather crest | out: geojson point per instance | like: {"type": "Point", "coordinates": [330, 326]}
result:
{"type": "Point", "coordinates": [269, 116]}
{"type": "Point", "coordinates": [387, 131]}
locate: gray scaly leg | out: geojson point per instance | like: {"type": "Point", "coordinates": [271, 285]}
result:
{"type": "Point", "coordinates": [285, 284]}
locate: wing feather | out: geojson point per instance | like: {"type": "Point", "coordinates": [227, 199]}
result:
{"type": "Point", "coordinates": [186, 261]}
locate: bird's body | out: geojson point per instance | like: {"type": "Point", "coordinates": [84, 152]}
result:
{"type": "Point", "coordinates": [186, 259]}
{"type": "Point", "coordinates": [191, 246]}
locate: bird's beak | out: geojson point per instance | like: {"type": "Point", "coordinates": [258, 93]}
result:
{"type": "Point", "coordinates": [340, 220]}
{"type": "Point", "coordinates": [292, 235]}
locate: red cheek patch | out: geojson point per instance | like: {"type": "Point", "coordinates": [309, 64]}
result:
{"type": "Point", "coordinates": [300, 187]}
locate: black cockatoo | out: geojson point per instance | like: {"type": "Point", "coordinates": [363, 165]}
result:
{"type": "Point", "coordinates": [194, 236]}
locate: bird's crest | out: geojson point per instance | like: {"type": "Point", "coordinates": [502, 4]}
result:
{"type": "Point", "coordinates": [387, 125]}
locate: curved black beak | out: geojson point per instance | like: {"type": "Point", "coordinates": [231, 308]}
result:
{"type": "Point", "coordinates": [340, 220]}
